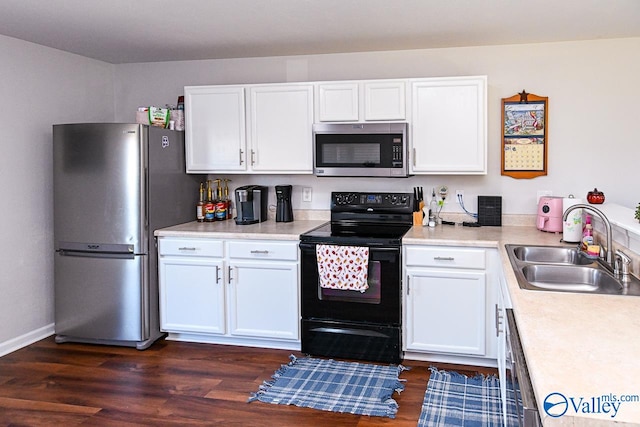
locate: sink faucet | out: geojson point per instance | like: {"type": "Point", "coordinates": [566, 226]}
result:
{"type": "Point", "coordinates": [621, 267]}
{"type": "Point", "coordinates": [607, 224]}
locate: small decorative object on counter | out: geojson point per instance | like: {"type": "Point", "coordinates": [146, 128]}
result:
{"type": "Point", "coordinates": [226, 197]}
{"type": "Point", "coordinates": [595, 197]}
{"type": "Point", "coordinates": [433, 208]}
{"type": "Point", "coordinates": [200, 205]}
{"type": "Point", "coordinates": [637, 214]}
{"type": "Point", "coordinates": [209, 205]}
{"type": "Point", "coordinates": [221, 203]}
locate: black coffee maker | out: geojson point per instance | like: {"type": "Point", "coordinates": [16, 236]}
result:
{"type": "Point", "coordinates": [284, 210]}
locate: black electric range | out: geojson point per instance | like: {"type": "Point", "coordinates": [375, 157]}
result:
{"type": "Point", "coordinates": [351, 324]}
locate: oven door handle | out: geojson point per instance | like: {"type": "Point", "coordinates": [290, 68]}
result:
{"type": "Point", "coordinates": [312, 247]}
{"type": "Point", "coordinates": [349, 331]}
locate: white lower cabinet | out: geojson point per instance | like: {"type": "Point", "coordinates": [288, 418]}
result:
{"type": "Point", "coordinates": [448, 305]}
{"type": "Point", "coordinates": [244, 292]}
{"type": "Point", "coordinates": [263, 290]}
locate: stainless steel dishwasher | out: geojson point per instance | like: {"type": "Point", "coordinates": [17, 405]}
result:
{"type": "Point", "coordinates": [524, 397]}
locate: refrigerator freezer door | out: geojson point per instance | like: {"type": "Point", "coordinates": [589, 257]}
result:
{"type": "Point", "coordinates": [104, 295]}
{"type": "Point", "coordinates": [100, 184]}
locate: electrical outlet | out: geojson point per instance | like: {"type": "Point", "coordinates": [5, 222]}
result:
{"type": "Point", "coordinates": [459, 193]}
{"type": "Point", "coordinates": [306, 194]}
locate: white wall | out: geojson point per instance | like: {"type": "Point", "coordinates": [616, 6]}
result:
{"type": "Point", "coordinates": [39, 86]}
{"type": "Point", "coordinates": [592, 88]}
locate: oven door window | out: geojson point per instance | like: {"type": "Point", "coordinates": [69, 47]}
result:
{"type": "Point", "coordinates": [371, 296]}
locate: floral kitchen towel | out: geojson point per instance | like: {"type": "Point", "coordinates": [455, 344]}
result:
{"type": "Point", "coordinates": [343, 267]}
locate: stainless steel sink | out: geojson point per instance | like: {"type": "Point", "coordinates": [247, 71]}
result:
{"type": "Point", "coordinates": [551, 254]}
{"type": "Point", "coordinates": [565, 269]}
{"type": "Point", "coordinates": [568, 278]}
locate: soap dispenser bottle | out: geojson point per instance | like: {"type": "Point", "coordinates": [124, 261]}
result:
{"type": "Point", "coordinates": [587, 233]}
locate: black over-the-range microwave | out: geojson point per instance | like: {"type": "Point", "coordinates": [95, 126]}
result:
{"type": "Point", "coordinates": [360, 149]}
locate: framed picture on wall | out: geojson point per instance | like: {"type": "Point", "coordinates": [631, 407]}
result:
{"type": "Point", "coordinates": [524, 135]}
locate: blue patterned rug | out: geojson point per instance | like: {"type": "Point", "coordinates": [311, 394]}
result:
{"type": "Point", "coordinates": [453, 399]}
{"type": "Point", "coordinates": [328, 385]}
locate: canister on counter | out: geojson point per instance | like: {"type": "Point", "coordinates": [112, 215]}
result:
{"type": "Point", "coordinates": [572, 227]}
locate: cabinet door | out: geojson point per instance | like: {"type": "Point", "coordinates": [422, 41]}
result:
{"type": "Point", "coordinates": [215, 129]}
{"type": "Point", "coordinates": [449, 126]}
{"type": "Point", "coordinates": [281, 129]}
{"type": "Point", "coordinates": [191, 295]}
{"type": "Point", "coordinates": [263, 300]}
{"type": "Point", "coordinates": [446, 311]}
{"type": "Point", "coordinates": [384, 101]}
{"type": "Point", "coordinates": [338, 102]}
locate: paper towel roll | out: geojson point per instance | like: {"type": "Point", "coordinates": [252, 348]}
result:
{"type": "Point", "coordinates": [572, 227]}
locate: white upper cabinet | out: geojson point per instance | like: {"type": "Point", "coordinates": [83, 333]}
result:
{"type": "Point", "coordinates": [358, 101]}
{"type": "Point", "coordinates": [384, 100]}
{"type": "Point", "coordinates": [281, 129]}
{"type": "Point", "coordinates": [221, 137]}
{"type": "Point", "coordinates": [338, 102]}
{"type": "Point", "coordinates": [215, 129]}
{"type": "Point", "coordinates": [449, 126]}
{"type": "Point", "coordinates": [246, 128]}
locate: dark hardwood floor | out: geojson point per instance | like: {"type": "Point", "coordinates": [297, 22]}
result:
{"type": "Point", "coordinates": [171, 383]}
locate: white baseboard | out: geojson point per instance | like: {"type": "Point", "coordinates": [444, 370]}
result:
{"type": "Point", "coordinates": [24, 340]}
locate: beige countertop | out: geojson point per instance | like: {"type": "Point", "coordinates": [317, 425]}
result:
{"type": "Point", "coordinates": [583, 346]}
{"type": "Point", "coordinates": [267, 230]}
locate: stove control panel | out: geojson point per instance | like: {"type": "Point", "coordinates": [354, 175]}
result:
{"type": "Point", "coordinates": [375, 200]}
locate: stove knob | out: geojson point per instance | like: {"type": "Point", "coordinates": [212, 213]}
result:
{"type": "Point", "coordinates": [394, 199]}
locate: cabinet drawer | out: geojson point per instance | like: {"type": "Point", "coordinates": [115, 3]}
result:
{"type": "Point", "coordinates": [190, 247]}
{"type": "Point", "coordinates": [440, 256]}
{"type": "Point", "coordinates": [252, 249]}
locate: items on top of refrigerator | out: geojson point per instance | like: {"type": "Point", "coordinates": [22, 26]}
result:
{"type": "Point", "coordinates": [168, 117]}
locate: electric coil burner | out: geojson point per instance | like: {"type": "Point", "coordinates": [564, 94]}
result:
{"type": "Point", "coordinates": [355, 324]}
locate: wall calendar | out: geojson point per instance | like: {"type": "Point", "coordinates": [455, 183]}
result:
{"type": "Point", "coordinates": [524, 135]}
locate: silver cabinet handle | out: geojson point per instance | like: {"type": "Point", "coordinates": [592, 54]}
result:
{"type": "Point", "coordinates": [241, 153]}
{"type": "Point", "coordinates": [230, 274]}
{"type": "Point", "coordinates": [186, 249]}
{"type": "Point", "coordinates": [499, 320]}
{"type": "Point", "coordinates": [408, 286]}
{"type": "Point", "coordinates": [414, 157]}
{"type": "Point", "coordinates": [217, 274]}
{"type": "Point", "coordinates": [443, 258]}
{"type": "Point", "coordinates": [253, 161]}
{"type": "Point", "coordinates": [260, 252]}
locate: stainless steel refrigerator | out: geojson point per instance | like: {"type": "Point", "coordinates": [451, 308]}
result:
{"type": "Point", "coordinates": [114, 184]}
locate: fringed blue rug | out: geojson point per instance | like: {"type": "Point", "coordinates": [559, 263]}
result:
{"type": "Point", "coordinates": [453, 399]}
{"type": "Point", "coordinates": [328, 385]}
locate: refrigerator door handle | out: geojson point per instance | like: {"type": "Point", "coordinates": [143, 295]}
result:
{"type": "Point", "coordinates": [96, 250]}
{"type": "Point", "coordinates": [114, 255]}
